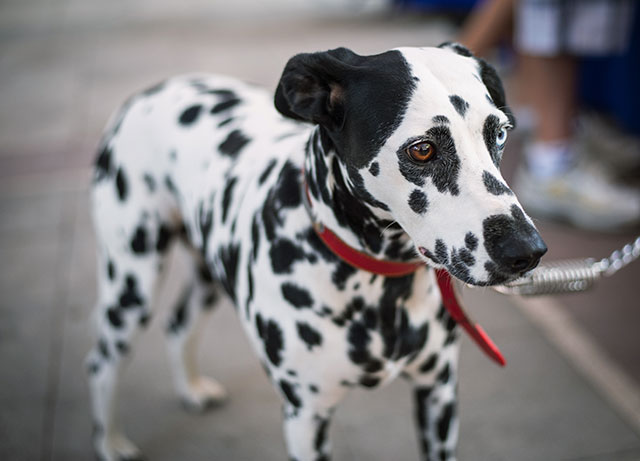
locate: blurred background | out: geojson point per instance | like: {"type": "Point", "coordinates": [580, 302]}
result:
{"type": "Point", "coordinates": [571, 388]}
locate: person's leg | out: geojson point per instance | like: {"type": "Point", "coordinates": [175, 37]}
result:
{"type": "Point", "coordinates": [489, 23]}
{"type": "Point", "coordinates": [548, 85]}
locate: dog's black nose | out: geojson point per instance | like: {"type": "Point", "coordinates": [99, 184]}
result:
{"type": "Point", "coordinates": [521, 254]}
{"type": "Point", "coordinates": [514, 245]}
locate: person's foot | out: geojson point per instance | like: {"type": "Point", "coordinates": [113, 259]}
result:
{"type": "Point", "coordinates": [582, 195]}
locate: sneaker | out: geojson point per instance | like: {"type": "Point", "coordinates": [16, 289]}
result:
{"type": "Point", "coordinates": [599, 137]}
{"type": "Point", "coordinates": [583, 196]}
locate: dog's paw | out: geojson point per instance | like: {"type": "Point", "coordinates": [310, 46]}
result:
{"type": "Point", "coordinates": [117, 448]}
{"type": "Point", "coordinates": [203, 393]}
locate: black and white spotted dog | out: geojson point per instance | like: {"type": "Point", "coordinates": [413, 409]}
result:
{"type": "Point", "coordinates": [400, 156]}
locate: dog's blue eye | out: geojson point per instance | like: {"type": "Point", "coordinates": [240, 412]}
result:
{"type": "Point", "coordinates": [502, 137]}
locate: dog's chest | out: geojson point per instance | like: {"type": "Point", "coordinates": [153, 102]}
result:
{"type": "Point", "coordinates": [240, 191]}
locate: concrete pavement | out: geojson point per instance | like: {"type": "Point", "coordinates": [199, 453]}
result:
{"type": "Point", "coordinates": [64, 67]}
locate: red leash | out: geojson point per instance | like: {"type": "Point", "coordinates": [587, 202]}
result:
{"type": "Point", "coordinates": [398, 269]}
{"type": "Point", "coordinates": [479, 336]}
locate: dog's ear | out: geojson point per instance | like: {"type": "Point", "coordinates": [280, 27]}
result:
{"type": "Point", "coordinates": [457, 48]}
{"type": "Point", "coordinates": [489, 77]}
{"type": "Point", "coordinates": [312, 86]}
{"type": "Point", "coordinates": [493, 83]}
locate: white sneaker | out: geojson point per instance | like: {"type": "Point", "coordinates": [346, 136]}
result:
{"type": "Point", "coordinates": [582, 196]}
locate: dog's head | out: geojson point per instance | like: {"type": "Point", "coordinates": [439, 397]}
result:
{"type": "Point", "coordinates": [422, 131]}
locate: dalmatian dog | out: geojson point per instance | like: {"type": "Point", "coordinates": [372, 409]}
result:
{"type": "Point", "coordinates": [397, 153]}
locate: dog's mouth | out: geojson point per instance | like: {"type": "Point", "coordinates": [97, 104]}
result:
{"type": "Point", "coordinates": [461, 269]}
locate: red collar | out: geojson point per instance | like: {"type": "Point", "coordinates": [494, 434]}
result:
{"type": "Point", "coordinates": [397, 269]}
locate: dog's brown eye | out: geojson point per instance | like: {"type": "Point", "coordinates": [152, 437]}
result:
{"type": "Point", "coordinates": [421, 152]}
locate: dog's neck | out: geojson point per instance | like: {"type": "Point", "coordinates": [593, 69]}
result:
{"type": "Point", "coordinates": [340, 202]}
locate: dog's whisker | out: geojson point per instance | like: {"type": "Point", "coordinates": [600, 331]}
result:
{"type": "Point", "coordinates": [387, 228]}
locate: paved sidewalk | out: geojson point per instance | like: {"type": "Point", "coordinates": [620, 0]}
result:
{"type": "Point", "coordinates": [63, 69]}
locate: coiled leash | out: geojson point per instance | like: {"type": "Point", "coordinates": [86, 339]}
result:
{"type": "Point", "coordinates": [571, 276]}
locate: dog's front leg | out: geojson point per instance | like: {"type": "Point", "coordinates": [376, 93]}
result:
{"type": "Point", "coordinates": [436, 402]}
{"type": "Point", "coordinates": [306, 432]}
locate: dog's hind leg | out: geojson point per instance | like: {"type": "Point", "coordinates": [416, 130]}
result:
{"type": "Point", "coordinates": [130, 261]}
{"type": "Point", "coordinates": [188, 319]}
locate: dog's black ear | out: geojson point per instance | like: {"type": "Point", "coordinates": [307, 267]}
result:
{"type": "Point", "coordinates": [457, 48]}
{"type": "Point", "coordinates": [493, 83]}
{"type": "Point", "coordinates": [312, 86]}
{"type": "Point", "coordinates": [489, 77]}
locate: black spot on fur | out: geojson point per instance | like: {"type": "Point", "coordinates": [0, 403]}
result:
{"type": "Point", "coordinates": [130, 296]}
{"type": "Point", "coordinates": [171, 187]}
{"type": "Point", "coordinates": [225, 105]}
{"type": "Point", "coordinates": [341, 274]}
{"type": "Point", "coordinates": [288, 186]}
{"type": "Point", "coordinates": [466, 257]}
{"type": "Point", "coordinates": [121, 185]}
{"type": "Point", "coordinates": [418, 201]}
{"type": "Point", "coordinates": [103, 164]}
{"type": "Point", "coordinates": [411, 340]}
{"type": "Point", "coordinates": [233, 144]}
{"type": "Point", "coordinates": [111, 270]}
{"type": "Point", "coordinates": [309, 335]}
{"type": "Point", "coordinates": [289, 393]}
{"type": "Point", "coordinates": [227, 196]}
{"type": "Point", "coordinates": [179, 318]}
{"type": "Point", "coordinates": [471, 241]}
{"type": "Point", "coordinates": [421, 395]}
{"type": "Point", "coordinates": [260, 327]}
{"type": "Point", "coordinates": [445, 374]}
{"type": "Point", "coordinates": [444, 422]}
{"type": "Point", "coordinates": [267, 171]}
{"type": "Point", "coordinates": [190, 115]}
{"type": "Point", "coordinates": [369, 381]}
{"type": "Point", "coordinates": [441, 252]}
{"type": "Point", "coordinates": [370, 318]}
{"type": "Point", "coordinates": [205, 223]}
{"type": "Point", "coordinates": [459, 104]}
{"type": "Point", "coordinates": [321, 433]}
{"type": "Point", "coordinates": [139, 241]}
{"type": "Point", "coordinates": [255, 236]}
{"type": "Point", "coordinates": [229, 257]}
{"type": "Point", "coordinates": [122, 347]}
{"type": "Point", "coordinates": [93, 368]}
{"type": "Point", "coordinates": [374, 169]}
{"type": "Point", "coordinates": [296, 296]}
{"type": "Point", "coordinates": [396, 290]}
{"type": "Point", "coordinates": [226, 121]}
{"type": "Point", "coordinates": [493, 185]}
{"type": "Point", "coordinates": [164, 237]}
{"type": "Point", "coordinates": [223, 93]}
{"type": "Point", "coordinates": [284, 253]}
{"type": "Point", "coordinates": [150, 182]}
{"type": "Point", "coordinates": [429, 364]}
{"type": "Point", "coordinates": [114, 316]}
{"type": "Point", "coordinates": [103, 348]}
{"type": "Point", "coordinates": [144, 319]}
{"type": "Point", "coordinates": [441, 119]}
{"type": "Point", "coordinates": [358, 337]}
{"type": "Point", "coordinates": [273, 342]}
